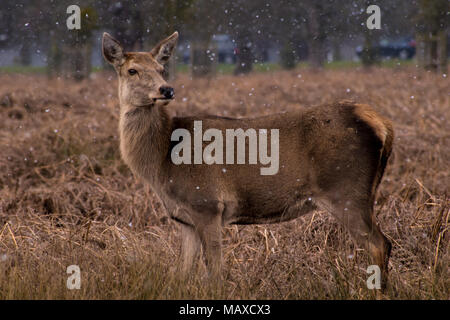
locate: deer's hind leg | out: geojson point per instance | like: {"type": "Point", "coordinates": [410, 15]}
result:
{"type": "Point", "coordinates": [357, 216]}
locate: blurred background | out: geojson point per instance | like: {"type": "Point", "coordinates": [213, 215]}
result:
{"type": "Point", "coordinates": [224, 36]}
{"type": "Point", "coordinates": [66, 197]}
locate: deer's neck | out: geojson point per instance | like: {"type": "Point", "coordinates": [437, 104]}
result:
{"type": "Point", "coordinates": [145, 141]}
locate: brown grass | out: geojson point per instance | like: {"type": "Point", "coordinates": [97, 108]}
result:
{"type": "Point", "coordinates": [67, 198]}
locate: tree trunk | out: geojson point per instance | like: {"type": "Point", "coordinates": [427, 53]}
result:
{"type": "Point", "coordinates": [337, 56]}
{"type": "Point", "coordinates": [25, 53]}
{"type": "Point", "coordinates": [244, 55]}
{"type": "Point", "coordinates": [287, 55]}
{"type": "Point", "coordinates": [370, 54]}
{"type": "Point", "coordinates": [76, 57]}
{"type": "Point", "coordinates": [442, 56]}
{"type": "Point", "coordinates": [433, 52]}
{"type": "Point", "coordinates": [432, 22]}
{"type": "Point", "coordinates": [76, 66]}
{"type": "Point", "coordinates": [87, 59]}
{"type": "Point", "coordinates": [201, 62]}
{"type": "Point", "coordinates": [317, 53]}
{"type": "Point", "coordinates": [54, 58]}
{"type": "Point", "coordinates": [316, 45]}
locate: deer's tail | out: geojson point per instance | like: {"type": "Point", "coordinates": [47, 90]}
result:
{"type": "Point", "coordinates": [384, 130]}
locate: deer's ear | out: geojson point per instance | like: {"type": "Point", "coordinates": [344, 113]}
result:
{"type": "Point", "coordinates": [163, 50]}
{"type": "Point", "coordinates": [112, 50]}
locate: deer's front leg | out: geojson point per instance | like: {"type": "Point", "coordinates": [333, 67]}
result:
{"type": "Point", "coordinates": [211, 238]}
{"type": "Point", "coordinates": [190, 248]}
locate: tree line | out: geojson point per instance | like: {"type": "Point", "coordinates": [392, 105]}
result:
{"type": "Point", "coordinates": [303, 29]}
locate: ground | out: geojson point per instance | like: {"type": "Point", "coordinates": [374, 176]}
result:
{"type": "Point", "coordinates": [66, 197]}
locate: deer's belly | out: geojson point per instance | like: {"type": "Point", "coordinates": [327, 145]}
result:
{"type": "Point", "coordinates": [272, 210]}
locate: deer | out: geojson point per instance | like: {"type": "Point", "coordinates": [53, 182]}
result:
{"type": "Point", "coordinates": [332, 157]}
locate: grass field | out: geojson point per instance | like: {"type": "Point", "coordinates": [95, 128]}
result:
{"type": "Point", "coordinates": [66, 197]}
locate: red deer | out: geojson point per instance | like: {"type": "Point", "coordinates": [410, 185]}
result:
{"type": "Point", "coordinates": [331, 157]}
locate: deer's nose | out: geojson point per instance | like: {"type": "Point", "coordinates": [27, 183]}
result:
{"type": "Point", "coordinates": [167, 92]}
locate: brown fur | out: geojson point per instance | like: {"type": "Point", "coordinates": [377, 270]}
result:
{"type": "Point", "coordinates": [331, 157]}
{"type": "Point", "coordinates": [381, 126]}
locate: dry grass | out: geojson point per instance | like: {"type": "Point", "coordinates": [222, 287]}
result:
{"type": "Point", "coordinates": [67, 198]}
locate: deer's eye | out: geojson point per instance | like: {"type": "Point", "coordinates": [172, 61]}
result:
{"type": "Point", "coordinates": [132, 72]}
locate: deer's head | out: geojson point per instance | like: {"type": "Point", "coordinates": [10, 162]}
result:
{"type": "Point", "coordinates": [141, 81]}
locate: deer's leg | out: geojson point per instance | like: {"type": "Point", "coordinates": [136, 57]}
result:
{"type": "Point", "coordinates": [211, 238]}
{"type": "Point", "coordinates": [380, 251]}
{"type": "Point", "coordinates": [190, 248]}
{"type": "Point", "coordinates": [368, 234]}
{"type": "Point", "coordinates": [357, 217]}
